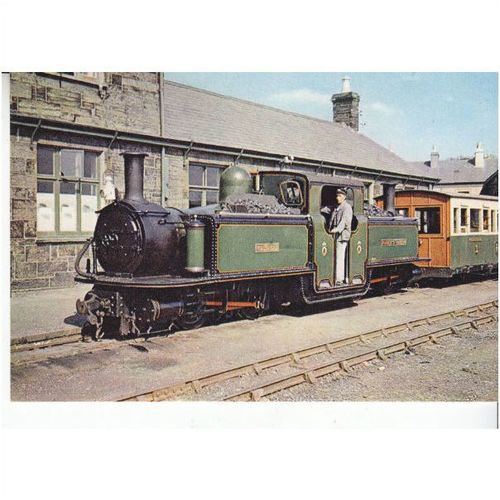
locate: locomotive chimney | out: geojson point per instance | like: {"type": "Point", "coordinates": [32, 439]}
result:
{"type": "Point", "coordinates": [389, 195]}
{"type": "Point", "coordinates": [134, 176]}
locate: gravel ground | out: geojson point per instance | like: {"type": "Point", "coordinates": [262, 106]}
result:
{"type": "Point", "coordinates": [457, 369]}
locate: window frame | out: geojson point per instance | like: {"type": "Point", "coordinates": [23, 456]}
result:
{"type": "Point", "coordinates": [56, 178]}
{"type": "Point", "coordinates": [472, 228]}
{"type": "Point", "coordinates": [284, 193]}
{"type": "Point", "coordinates": [440, 219]}
{"type": "Point", "coordinates": [204, 188]}
{"type": "Point", "coordinates": [457, 206]}
{"type": "Point", "coordinates": [467, 220]}
{"type": "Point", "coordinates": [94, 79]}
{"type": "Point", "coordinates": [489, 228]}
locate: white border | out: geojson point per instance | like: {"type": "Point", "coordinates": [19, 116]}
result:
{"type": "Point", "coordinates": [242, 36]}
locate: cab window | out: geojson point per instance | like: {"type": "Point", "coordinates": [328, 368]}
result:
{"type": "Point", "coordinates": [291, 194]}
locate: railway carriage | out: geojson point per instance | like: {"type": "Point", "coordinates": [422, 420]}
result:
{"type": "Point", "coordinates": [458, 233]}
{"type": "Point", "coordinates": [266, 242]}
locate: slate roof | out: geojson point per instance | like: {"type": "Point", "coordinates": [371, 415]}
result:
{"type": "Point", "coordinates": [200, 116]}
{"type": "Point", "coordinates": [490, 185]}
{"type": "Point", "coordinates": [461, 171]}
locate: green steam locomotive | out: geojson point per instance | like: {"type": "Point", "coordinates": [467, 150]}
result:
{"type": "Point", "coordinates": [267, 242]}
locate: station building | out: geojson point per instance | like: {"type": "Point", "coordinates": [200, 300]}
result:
{"type": "Point", "coordinates": [475, 174]}
{"type": "Point", "coordinates": [68, 131]}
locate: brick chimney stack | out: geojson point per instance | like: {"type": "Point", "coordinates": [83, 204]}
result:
{"type": "Point", "coordinates": [434, 157]}
{"type": "Point", "coordinates": [479, 156]}
{"type": "Point", "coordinates": [346, 105]}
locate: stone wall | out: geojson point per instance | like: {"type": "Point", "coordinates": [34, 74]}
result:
{"type": "Point", "coordinates": [127, 102]}
{"type": "Point", "coordinates": [130, 102]}
{"type": "Point", "coordinates": [177, 180]}
{"type": "Point", "coordinates": [49, 262]}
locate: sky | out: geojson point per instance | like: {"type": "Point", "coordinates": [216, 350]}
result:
{"type": "Point", "coordinates": [408, 113]}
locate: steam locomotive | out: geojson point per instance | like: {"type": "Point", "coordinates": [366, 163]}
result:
{"type": "Point", "coordinates": [265, 243]}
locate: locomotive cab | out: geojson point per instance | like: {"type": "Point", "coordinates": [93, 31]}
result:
{"type": "Point", "coordinates": [322, 203]}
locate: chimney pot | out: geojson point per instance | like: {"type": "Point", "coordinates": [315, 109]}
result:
{"type": "Point", "coordinates": [479, 156]}
{"type": "Point", "coordinates": [434, 157]}
{"type": "Point", "coordinates": [346, 84]}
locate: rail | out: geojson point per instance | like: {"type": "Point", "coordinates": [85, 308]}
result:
{"type": "Point", "coordinates": [343, 362]}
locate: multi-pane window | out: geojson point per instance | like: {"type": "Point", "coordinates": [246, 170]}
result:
{"type": "Point", "coordinates": [474, 220]}
{"type": "Point", "coordinates": [67, 191]}
{"type": "Point", "coordinates": [203, 185]}
{"type": "Point", "coordinates": [87, 76]}
{"type": "Point", "coordinates": [464, 220]}
{"type": "Point", "coordinates": [486, 220]}
{"type": "Point", "coordinates": [456, 220]}
{"type": "Point", "coordinates": [429, 221]}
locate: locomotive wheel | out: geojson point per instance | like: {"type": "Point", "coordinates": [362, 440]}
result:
{"type": "Point", "coordinates": [88, 332]}
{"type": "Point", "coordinates": [249, 313]}
{"type": "Point", "coordinates": [252, 313]}
{"type": "Point", "coordinates": [191, 321]}
{"type": "Point", "coordinates": [193, 316]}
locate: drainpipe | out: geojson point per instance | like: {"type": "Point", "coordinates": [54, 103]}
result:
{"type": "Point", "coordinates": [160, 97]}
{"type": "Point", "coordinates": [164, 159]}
{"type": "Point", "coordinates": [164, 177]}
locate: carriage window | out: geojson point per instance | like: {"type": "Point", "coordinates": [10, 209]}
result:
{"type": "Point", "coordinates": [486, 220]}
{"type": "Point", "coordinates": [428, 220]}
{"type": "Point", "coordinates": [464, 220]}
{"type": "Point", "coordinates": [456, 220]}
{"type": "Point", "coordinates": [402, 211]}
{"type": "Point", "coordinates": [474, 220]}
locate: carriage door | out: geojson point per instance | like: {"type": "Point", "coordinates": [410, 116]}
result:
{"type": "Point", "coordinates": [357, 248]}
{"type": "Point", "coordinates": [431, 235]}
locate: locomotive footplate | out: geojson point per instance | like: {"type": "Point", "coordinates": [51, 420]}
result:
{"type": "Point", "coordinates": [168, 281]}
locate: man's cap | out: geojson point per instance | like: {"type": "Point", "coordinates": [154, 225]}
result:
{"type": "Point", "coordinates": [342, 191]}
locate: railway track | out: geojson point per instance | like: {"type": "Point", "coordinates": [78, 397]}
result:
{"type": "Point", "coordinates": [44, 340]}
{"type": "Point", "coordinates": [70, 338]}
{"type": "Point", "coordinates": [257, 380]}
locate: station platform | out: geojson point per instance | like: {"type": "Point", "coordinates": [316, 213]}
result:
{"type": "Point", "coordinates": [41, 314]}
